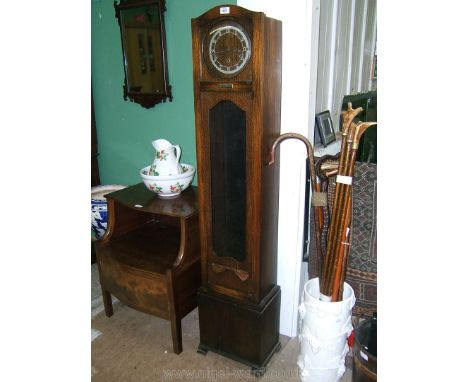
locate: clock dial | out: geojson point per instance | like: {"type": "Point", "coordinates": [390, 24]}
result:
{"type": "Point", "coordinates": [228, 49]}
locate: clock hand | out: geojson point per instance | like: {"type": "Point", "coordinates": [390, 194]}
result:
{"type": "Point", "coordinates": [229, 50]}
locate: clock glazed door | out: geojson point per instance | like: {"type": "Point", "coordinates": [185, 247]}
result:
{"type": "Point", "coordinates": [229, 239]}
{"type": "Point", "coordinates": [237, 87]}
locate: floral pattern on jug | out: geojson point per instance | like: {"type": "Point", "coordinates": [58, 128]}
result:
{"type": "Point", "coordinates": [166, 160]}
{"type": "Point", "coordinates": [161, 155]}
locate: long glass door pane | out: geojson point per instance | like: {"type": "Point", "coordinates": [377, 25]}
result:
{"type": "Point", "coordinates": [227, 124]}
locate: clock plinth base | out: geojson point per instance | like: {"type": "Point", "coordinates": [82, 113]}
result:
{"type": "Point", "coordinates": [243, 331]}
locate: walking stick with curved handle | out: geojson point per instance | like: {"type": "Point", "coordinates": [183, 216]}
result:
{"type": "Point", "coordinates": [314, 224]}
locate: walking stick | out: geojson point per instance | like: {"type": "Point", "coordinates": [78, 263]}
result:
{"type": "Point", "coordinates": [339, 255]}
{"type": "Point", "coordinates": [326, 277]}
{"type": "Point", "coordinates": [314, 223]}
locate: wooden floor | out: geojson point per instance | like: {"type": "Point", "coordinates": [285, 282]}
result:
{"type": "Point", "coordinates": [132, 346]}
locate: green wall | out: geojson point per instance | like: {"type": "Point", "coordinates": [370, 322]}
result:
{"type": "Point", "coordinates": [125, 130]}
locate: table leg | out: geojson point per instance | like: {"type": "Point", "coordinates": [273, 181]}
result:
{"type": "Point", "coordinates": [107, 298]}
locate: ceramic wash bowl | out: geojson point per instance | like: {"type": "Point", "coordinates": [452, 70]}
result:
{"type": "Point", "coordinates": [169, 185]}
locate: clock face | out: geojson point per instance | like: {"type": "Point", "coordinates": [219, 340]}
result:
{"type": "Point", "coordinates": [227, 49]}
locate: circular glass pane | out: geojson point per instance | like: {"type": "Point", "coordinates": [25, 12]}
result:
{"type": "Point", "coordinates": [229, 48]}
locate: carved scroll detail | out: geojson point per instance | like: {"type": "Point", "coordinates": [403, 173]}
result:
{"type": "Point", "coordinates": [218, 268]}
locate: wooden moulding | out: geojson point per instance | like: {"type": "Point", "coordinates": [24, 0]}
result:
{"type": "Point", "coordinates": [226, 86]}
{"type": "Point", "coordinates": [243, 331]}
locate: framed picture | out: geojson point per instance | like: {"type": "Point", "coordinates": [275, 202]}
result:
{"type": "Point", "coordinates": [324, 127]}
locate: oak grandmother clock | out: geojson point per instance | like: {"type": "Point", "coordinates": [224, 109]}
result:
{"type": "Point", "coordinates": [237, 86]}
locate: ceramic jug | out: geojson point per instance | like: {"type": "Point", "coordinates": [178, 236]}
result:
{"type": "Point", "coordinates": [166, 161]}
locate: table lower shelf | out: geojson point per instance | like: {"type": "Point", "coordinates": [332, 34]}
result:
{"type": "Point", "coordinates": [152, 247]}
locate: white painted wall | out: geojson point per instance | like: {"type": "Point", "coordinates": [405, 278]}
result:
{"type": "Point", "coordinates": [296, 18]}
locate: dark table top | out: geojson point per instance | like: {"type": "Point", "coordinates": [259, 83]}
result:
{"type": "Point", "coordinates": [139, 197]}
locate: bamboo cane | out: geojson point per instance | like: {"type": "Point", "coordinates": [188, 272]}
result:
{"type": "Point", "coordinates": [340, 260]}
{"type": "Point", "coordinates": [346, 250]}
{"type": "Point", "coordinates": [347, 237]}
{"type": "Point", "coordinates": [335, 234]}
{"type": "Point", "coordinates": [348, 117]}
{"type": "Point", "coordinates": [332, 277]}
{"type": "Point", "coordinates": [332, 239]}
{"type": "Point", "coordinates": [339, 265]}
{"type": "Point", "coordinates": [334, 265]}
{"type": "Point", "coordinates": [330, 166]}
{"type": "Point", "coordinates": [320, 212]}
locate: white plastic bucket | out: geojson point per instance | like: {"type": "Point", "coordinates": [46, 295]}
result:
{"type": "Point", "coordinates": [318, 375]}
{"type": "Point", "coordinates": [323, 353]}
{"type": "Point", "coordinates": [324, 329]}
{"type": "Point", "coordinates": [326, 319]}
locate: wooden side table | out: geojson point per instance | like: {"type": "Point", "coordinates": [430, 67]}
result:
{"type": "Point", "coordinates": [149, 257]}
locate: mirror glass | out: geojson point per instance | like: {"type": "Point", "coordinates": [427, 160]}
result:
{"type": "Point", "coordinates": [142, 39]}
{"type": "Point", "coordinates": [143, 46]}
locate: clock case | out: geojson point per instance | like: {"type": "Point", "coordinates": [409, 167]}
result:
{"type": "Point", "coordinates": [237, 120]}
